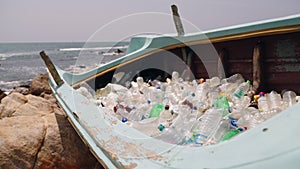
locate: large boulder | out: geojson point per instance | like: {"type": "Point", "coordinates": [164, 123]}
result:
{"type": "Point", "coordinates": [35, 133]}
{"type": "Point", "coordinates": [11, 103]}
{"type": "Point", "coordinates": [21, 139]}
{"type": "Point", "coordinates": [40, 85]}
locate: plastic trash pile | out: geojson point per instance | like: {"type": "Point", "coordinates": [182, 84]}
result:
{"type": "Point", "coordinates": [195, 113]}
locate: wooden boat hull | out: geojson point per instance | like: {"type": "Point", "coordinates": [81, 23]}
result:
{"type": "Point", "coordinates": [272, 144]}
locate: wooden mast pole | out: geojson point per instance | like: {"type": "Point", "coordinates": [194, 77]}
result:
{"type": "Point", "coordinates": [257, 66]}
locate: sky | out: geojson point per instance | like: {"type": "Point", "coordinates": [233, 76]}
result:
{"type": "Point", "coordinates": [112, 20]}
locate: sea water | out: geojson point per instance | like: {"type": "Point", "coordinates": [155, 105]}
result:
{"type": "Point", "coordinates": [21, 62]}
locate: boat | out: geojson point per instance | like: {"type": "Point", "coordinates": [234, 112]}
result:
{"type": "Point", "coordinates": [267, 52]}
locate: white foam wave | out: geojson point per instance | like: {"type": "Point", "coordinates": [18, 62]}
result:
{"type": "Point", "coordinates": [8, 86]}
{"type": "Point", "coordinates": [95, 48]}
{"type": "Point", "coordinates": [4, 56]}
{"type": "Point", "coordinates": [112, 54]}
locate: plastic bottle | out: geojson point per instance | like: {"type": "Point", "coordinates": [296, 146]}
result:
{"type": "Point", "coordinates": [146, 126]}
{"type": "Point", "coordinates": [201, 92]}
{"type": "Point", "coordinates": [262, 102]}
{"type": "Point", "coordinates": [206, 125]}
{"type": "Point", "coordinates": [222, 103]}
{"type": "Point", "coordinates": [242, 89]}
{"type": "Point", "coordinates": [175, 76]}
{"type": "Point", "coordinates": [231, 134]}
{"type": "Point", "coordinates": [236, 78]}
{"type": "Point", "coordinates": [270, 113]}
{"type": "Point", "coordinates": [250, 117]}
{"type": "Point", "coordinates": [289, 98]}
{"type": "Point", "coordinates": [156, 109]}
{"type": "Point", "coordinates": [170, 135]}
{"type": "Point", "coordinates": [140, 112]}
{"type": "Point", "coordinates": [155, 94]}
{"type": "Point", "coordinates": [274, 100]}
{"type": "Point", "coordinates": [213, 82]}
{"type": "Point", "coordinates": [223, 128]}
{"type": "Point", "coordinates": [165, 115]}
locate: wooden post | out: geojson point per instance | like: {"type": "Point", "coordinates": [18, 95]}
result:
{"type": "Point", "coordinates": [257, 66]}
{"type": "Point", "coordinates": [51, 68]}
{"type": "Point", "coordinates": [177, 20]}
{"type": "Point", "coordinates": [222, 63]}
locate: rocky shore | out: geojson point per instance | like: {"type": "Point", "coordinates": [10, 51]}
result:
{"type": "Point", "coordinates": [35, 132]}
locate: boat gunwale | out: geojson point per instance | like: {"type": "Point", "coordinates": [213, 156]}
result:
{"type": "Point", "coordinates": [265, 32]}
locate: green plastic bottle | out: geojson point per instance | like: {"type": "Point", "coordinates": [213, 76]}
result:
{"type": "Point", "coordinates": [222, 103]}
{"type": "Point", "coordinates": [230, 134]}
{"type": "Point", "coordinates": [156, 109]}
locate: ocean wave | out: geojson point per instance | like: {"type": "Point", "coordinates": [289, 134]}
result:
{"type": "Point", "coordinates": [94, 48]}
{"type": "Point", "coordinates": [4, 56]}
{"type": "Point", "coordinates": [9, 86]}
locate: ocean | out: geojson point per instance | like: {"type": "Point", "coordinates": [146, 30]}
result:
{"type": "Point", "coordinates": [21, 62]}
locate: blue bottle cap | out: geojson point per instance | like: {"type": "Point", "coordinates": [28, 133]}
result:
{"type": "Point", "coordinates": [233, 123]}
{"type": "Point", "coordinates": [261, 94]}
{"type": "Point", "coordinates": [124, 119]}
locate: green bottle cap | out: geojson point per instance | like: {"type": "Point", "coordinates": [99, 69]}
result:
{"type": "Point", "coordinates": [248, 81]}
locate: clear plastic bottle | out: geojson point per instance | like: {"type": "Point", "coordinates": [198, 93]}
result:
{"type": "Point", "coordinates": [216, 137]}
{"type": "Point", "coordinates": [242, 89]}
{"type": "Point", "coordinates": [155, 94]}
{"type": "Point", "coordinates": [270, 113]}
{"type": "Point", "coordinates": [289, 99]}
{"type": "Point", "coordinates": [171, 135]}
{"type": "Point", "coordinates": [236, 78]}
{"type": "Point", "coordinates": [206, 125]}
{"type": "Point", "coordinates": [213, 82]}
{"type": "Point", "coordinates": [250, 118]}
{"type": "Point", "coordinates": [140, 112]}
{"type": "Point", "coordinates": [146, 126]}
{"type": "Point", "coordinates": [202, 91]}
{"type": "Point", "coordinates": [175, 76]}
{"type": "Point", "coordinates": [274, 100]}
{"type": "Point", "coordinates": [262, 102]}
{"type": "Point", "coordinates": [165, 116]}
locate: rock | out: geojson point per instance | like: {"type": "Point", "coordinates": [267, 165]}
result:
{"type": "Point", "coordinates": [39, 85]}
{"type": "Point", "coordinates": [11, 103]}
{"type": "Point", "coordinates": [2, 95]}
{"type": "Point", "coordinates": [35, 133]}
{"type": "Point", "coordinates": [22, 90]}
{"type": "Point", "coordinates": [50, 143]}
{"type": "Point", "coordinates": [20, 141]}
{"type": "Point", "coordinates": [49, 97]}
{"type": "Point", "coordinates": [17, 104]}
{"type": "Point", "coordinates": [62, 147]}
{"type": "Point", "coordinates": [35, 106]}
